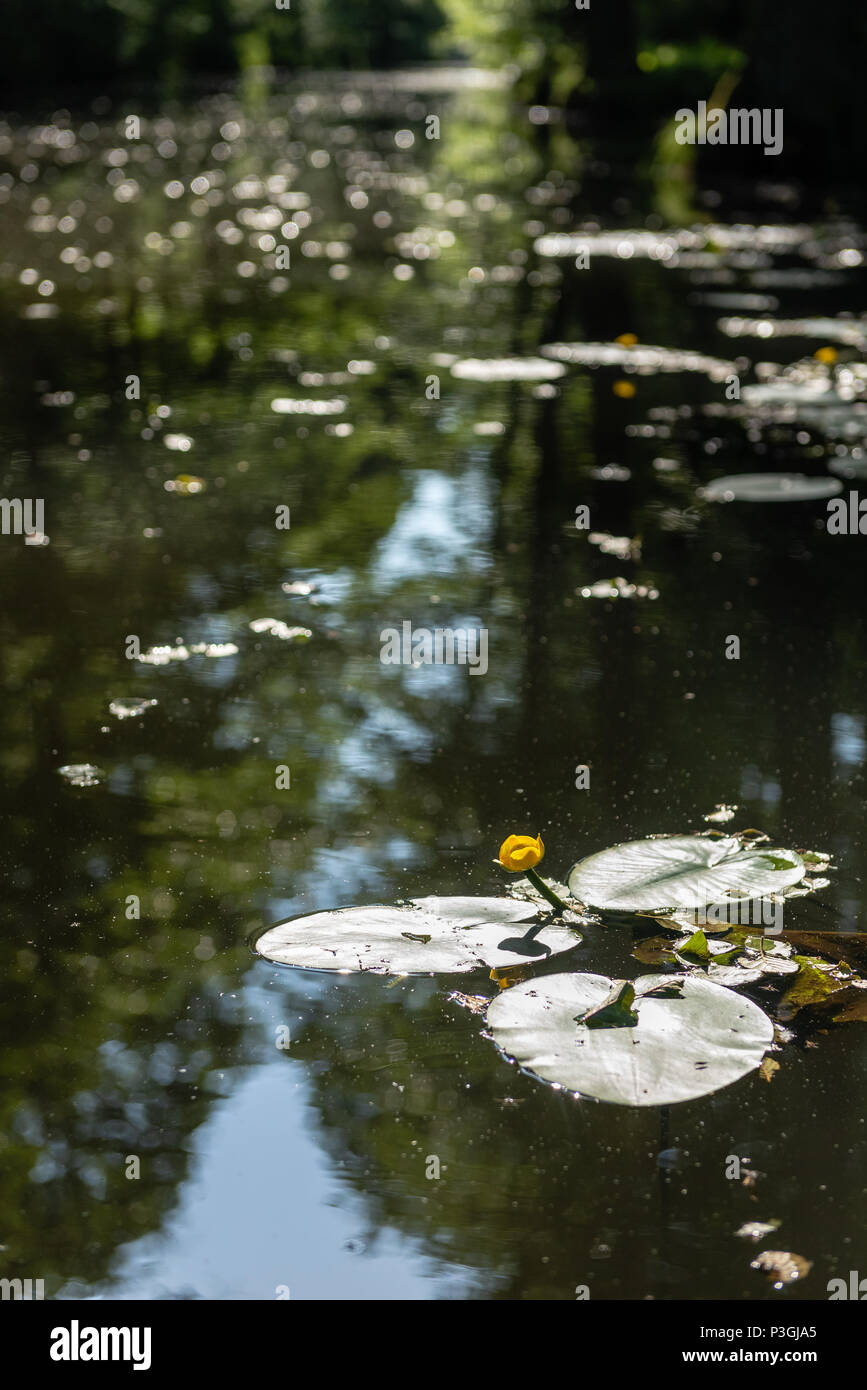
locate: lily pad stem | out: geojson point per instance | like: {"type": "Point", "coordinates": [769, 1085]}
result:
{"type": "Point", "coordinates": [542, 887]}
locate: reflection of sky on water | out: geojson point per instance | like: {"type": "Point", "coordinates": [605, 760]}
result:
{"type": "Point", "coordinates": [442, 527]}
{"type": "Point", "coordinates": [260, 1211]}
{"type": "Point", "coordinates": [847, 735]}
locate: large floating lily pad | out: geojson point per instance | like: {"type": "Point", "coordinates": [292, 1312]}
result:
{"type": "Point", "coordinates": [507, 369]}
{"type": "Point", "coordinates": [643, 359]}
{"type": "Point", "coordinates": [688, 1041]}
{"type": "Point", "coordinates": [425, 936]}
{"type": "Point", "coordinates": [770, 487]}
{"type": "Point", "coordinates": [681, 871]}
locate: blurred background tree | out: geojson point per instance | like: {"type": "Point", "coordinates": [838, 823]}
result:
{"type": "Point", "coordinates": [626, 63]}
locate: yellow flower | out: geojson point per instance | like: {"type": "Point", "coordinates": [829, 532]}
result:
{"type": "Point", "coordinates": [828, 355]}
{"type": "Point", "coordinates": [521, 852]}
{"type": "Point", "coordinates": [624, 389]}
{"type": "Point", "coordinates": [626, 340]}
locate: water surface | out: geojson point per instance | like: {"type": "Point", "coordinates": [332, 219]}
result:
{"type": "Point", "coordinates": [304, 1169]}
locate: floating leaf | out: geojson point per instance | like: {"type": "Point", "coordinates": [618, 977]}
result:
{"type": "Point", "coordinates": [815, 859]}
{"type": "Point", "coordinates": [616, 1009]}
{"type": "Point", "coordinates": [816, 979]}
{"type": "Point", "coordinates": [681, 871]}
{"type": "Point", "coordinates": [846, 1004]}
{"type": "Point", "coordinates": [768, 1068]}
{"type": "Point", "coordinates": [425, 936]}
{"type": "Point", "coordinates": [849, 1005]}
{"type": "Point", "coordinates": [733, 976]}
{"type": "Point", "coordinates": [850, 947]}
{"type": "Point", "coordinates": [700, 948]}
{"type": "Point", "coordinates": [667, 988]}
{"type": "Point", "coordinates": [685, 920]}
{"type": "Point", "coordinates": [679, 1049]}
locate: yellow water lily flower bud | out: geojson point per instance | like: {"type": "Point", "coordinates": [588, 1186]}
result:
{"type": "Point", "coordinates": [521, 852]}
{"type": "Point", "coordinates": [828, 355]}
{"type": "Point", "coordinates": [626, 340]}
{"type": "Point", "coordinates": [624, 389]}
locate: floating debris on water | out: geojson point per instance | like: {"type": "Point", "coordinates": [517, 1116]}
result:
{"type": "Point", "coordinates": [721, 814]}
{"type": "Point", "coordinates": [726, 299]}
{"type": "Point", "coordinates": [617, 588]}
{"type": "Point", "coordinates": [299, 588]}
{"type": "Point", "coordinates": [186, 484]}
{"type": "Point", "coordinates": [40, 311]}
{"type": "Point", "coordinates": [756, 1230]}
{"type": "Point", "coordinates": [164, 655]}
{"type": "Point", "coordinates": [293, 405]}
{"type": "Point", "coordinates": [641, 359]}
{"type": "Point", "coordinates": [214, 649]}
{"type": "Point", "coordinates": [669, 246]}
{"type": "Point", "coordinates": [622, 546]}
{"type": "Point", "coordinates": [130, 709]}
{"type": "Point", "coordinates": [281, 630]}
{"type": "Point", "coordinates": [782, 1266]}
{"type": "Point", "coordinates": [82, 774]}
{"type": "Point", "coordinates": [476, 1003]}
{"type": "Point", "coordinates": [161, 656]}
{"type": "Point", "coordinates": [611, 473]}
{"type": "Point", "coordinates": [507, 369]}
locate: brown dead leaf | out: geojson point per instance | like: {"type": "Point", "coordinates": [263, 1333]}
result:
{"type": "Point", "coordinates": [782, 1266]}
{"type": "Point", "coordinates": [476, 1003]}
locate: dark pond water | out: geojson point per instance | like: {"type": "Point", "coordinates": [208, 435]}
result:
{"type": "Point", "coordinates": [156, 1035]}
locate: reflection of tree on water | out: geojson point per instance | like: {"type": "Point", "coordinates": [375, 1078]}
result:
{"type": "Point", "coordinates": [109, 1012]}
{"type": "Point", "coordinates": [537, 1193]}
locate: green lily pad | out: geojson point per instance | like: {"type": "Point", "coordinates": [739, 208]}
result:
{"type": "Point", "coordinates": [680, 1048]}
{"type": "Point", "coordinates": [756, 956]}
{"type": "Point", "coordinates": [425, 936]}
{"type": "Point", "coordinates": [697, 947]}
{"type": "Point", "coordinates": [680, 871]}
{"type": "Point", "coordinates": [770, 487]}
